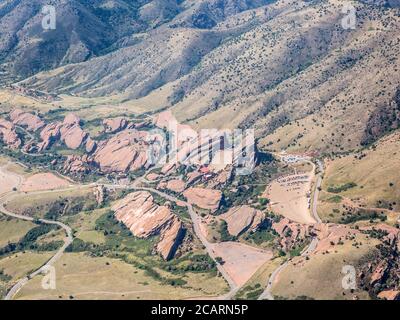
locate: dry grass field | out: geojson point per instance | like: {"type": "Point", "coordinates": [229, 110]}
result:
{"type": "Point", "coordinates": [82, 277]}
{"type": "Point", "coordinates": [37, 204]}
{"type": "Point", "coordinates": [22, 263]}
{"type": "Point", "coordinates": [321, 276]}
{"type": "Point", "coordinates": [12, 230]}
{"type": "Point", "coordinates": [375, 172]}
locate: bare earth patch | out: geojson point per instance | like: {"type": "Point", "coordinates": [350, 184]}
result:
{"type": "Point", "coordinates": [240, 260]}
{"type": "Point", "coordinates": [43, 181]}
{"type": "Point", "coordinates": [8, 181]}
{"type": "Point", "coordinates": [290, 197]}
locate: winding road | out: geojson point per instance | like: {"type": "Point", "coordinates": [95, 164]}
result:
{"type": "Point", "coordinates": [267, 295]}
{"type": "Point", "coordinates": [194, 217]}
{"type": "Point", "coordinates": [67, 241]}
{"type": "Point", "coordinates": [196, 227]}
{"type": "Point", "coordinates": [234, 288]}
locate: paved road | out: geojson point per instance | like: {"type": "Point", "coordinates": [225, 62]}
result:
{"type": "Point", "coordinates": [196, 226]}
{"type": "Point", "coordinates": [267, 295]}
{"type": "Point", "coordinates": [67, 241]}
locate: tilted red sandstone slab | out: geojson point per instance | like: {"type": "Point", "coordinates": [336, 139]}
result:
{"type": "Point", "coordinates": [31, 121]}
{"type": "Point", "coordinates": [204, 198]}
{"type": "Point", "coordinates": [49, 135]}
{"type": "Point", "coordinates": [290, 232]}
{"type": "Point", "coordinates": [77, 164]}
{"type": "Point", "coordinates": [90, 145]}
{"type": "Point", "coordinates": [69, 131]}
{"type": "Point", "coordinates": [126, 151]}
{"type": "Point", "coordinates": [144, 218]}
{"type": "Point", "coordinates": [9, 135]}
{"type": "Point", "coordinates": [170, 238]}
{"type": "Point", "coordinates": [175, 185]}
{"type": "Point", "coordinates": [241, 218]}
{"type": "Point", "coordinates": [72, 133]}
{"type": "Point", "coordinates": [115, 124]}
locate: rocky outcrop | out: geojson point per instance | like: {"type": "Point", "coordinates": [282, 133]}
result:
{"type": "Point", "coordinates": [126, 151]}
{"type": "Point", "coordinates": [77, 164]}
{"type": "Point", "coordinates": [91, 145]}
{"type": "Point", "coordinates": [379, 270]}
{"type": "Point", "coordinates": [144, 219]}
{"type": "Point", "coordinates": [175, 185]}
{"type": "Point", "coordinates": [214, 147]}
{"type": "Point", "coordinates": [204, 198]}
{"type": "Point", "coordinates": [194, 177]}
{"type": "Point", "coordinates": [31, 121]}
{"type": "Point", "coordinates": [240, 219]}
{"type": "Point", "coordinates": [290, 233]}
{"type": "Point", "coordinates": [170, 238]}
{"type": "Point", "coordinates": [69, 132]}
{"type": "Point", "coordinates": [389, 295]}
{"type": "Point", "coordinates": [152, 177]}
{"type": "Point", "coordinates": [9, 135]}
{"type": "Point", "coordinates": [379, 273]}
{"type": "Point", "coordinates": [49, 135]}
{"type": "Point", "coordinates": [330, 235]}
{"type": "Point", "coordinates": [99, 194]}
{"type": "Point", "coordinates": [115, 125]}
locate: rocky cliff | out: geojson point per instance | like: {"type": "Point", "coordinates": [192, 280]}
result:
{"type": "Point", "coordinates": [145, 219]}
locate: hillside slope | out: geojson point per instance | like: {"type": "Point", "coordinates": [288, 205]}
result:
{"type": "Point", "coordinates": [90, 28]}
{"type": "Point", "coordinates": [288, 69]}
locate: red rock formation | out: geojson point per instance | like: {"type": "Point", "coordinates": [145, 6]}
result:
{"type": "Point", "coordinates": [114, 125]}
{"type": "Point", "coordinates": [77, 164]}
{"type": "Point", "coordinates": [379, 273]}
{"type": "Point", "coordinates": [71, 132]}
{"type": "Point", "coordinates": [204, 198]}
{"type": "Point", "coordinates": [241, 218]}
{"type": "Point", "coordinates": [330, 235]}
{"type": "Point", "coordinates": [290, 232]}
{"type": "Point", "coordinates": [389, 295]}
{"type": "Point", "coordinates": [31, 121]}
{"type": "Point", "coordinates": [152, 176]}
{"type": "Point", "coordinates": [71, 119]}
{"type": "Point", "coordinates": [170, 238]}
{"type": "Point", "coordinates": [90, 145]}
{"type": "Point", "coordinates": [144, 218]}
{"type": "Point", "coordinates": [30, 147]}
{"type": "Point", "coordinates": [194, 177]}
{"type": "Point", "coordinates": [175, 185]}
{"type": "Point", "coordinates": [49, 135]}
{"type": "Point", "coordinates": [126, 151]}
{"type": "Point", "coordinates": [10, 136]}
